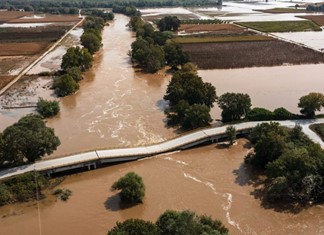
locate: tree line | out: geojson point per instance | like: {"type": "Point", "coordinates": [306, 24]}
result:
{"type": "Point", "coordinates": [293, 164]}
{"type": "Point", "coordinates": [71, 7]}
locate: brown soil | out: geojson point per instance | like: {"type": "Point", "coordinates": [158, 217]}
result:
{"type": "Point", "coordinates": [6, 16]}
{"type": "Point", "coordinates": [318, 19]}
{"type": "Point", "coordinates": [4, 80]}
{"type": "Point", "coordinates": [48, 33]}
{"type": "Point", "coordinates": [48, 19]}
{"type": "Point", "coordinates": [190, 28]}
{"type": "Point", "coordinates": [24, 48]}
{"type": "Point", "coordinates": [250, 54]}
{"type": "Point", "coordinates": [10, 66]}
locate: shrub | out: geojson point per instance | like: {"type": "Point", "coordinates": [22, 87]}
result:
{"type": "Point", "coordinates": [282, 114]}
{"type": "Point", "coordinates": [65, 85]}
{"type": "Point", "coordinates": [259, 114]}
{"type": "Point", "coordinates": [132, 188]}
{"type": "Point", "coordinates": [47, 108]}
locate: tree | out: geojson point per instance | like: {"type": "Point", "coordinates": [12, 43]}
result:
{"type": "Point", "coordinates": [77, 57]}
{"type": "Point", "coordinates": [190, 87]}
{"type": "Point", "coordinates": [65, 85]}
{"type": "Point", "coordinates": [75, 73]}
{"type": "Point", "coordinates": [234, 106]}
{"type": "Point", "coordinates": [187, 222]}
{"type": "Point", "coordinates": [135, 23]}
{"type": "Point", "coordinates": [231, 134]}
{"type": "Point", "coordinates": [311, 103]}
{"type": "Point", "coordinates": [28, 138]}
{"type": "Point", "coordinates": [91, 41]}
{"type": "Point", "coordinates": [174, 55]}
{"type": "Point", "coordinates": [196, 115]}
{"type": "Point", "coordinates": [47, 108]}
{"type": "Point", "coordinates": [134, 227]}
{"type": "Point", "coordinates": [132, 188]}
{"type": "Point", "coordinates": [259, 114]}
{"type": "Point", "coordinates": [169, 23]}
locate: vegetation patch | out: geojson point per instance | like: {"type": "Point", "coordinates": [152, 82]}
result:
{"type": "Point", "coordinates": [62, 194]}
{"type": "Point", "coordinates": [282, 26]}
{"type": "Point", "coordinates": [318, 129]}
{"type": "Point", "coordinates": [191, 28]}
{"type": "Point", "coordinates": [201, 21]}
{"type": "Point", "coordinates": [244, 38]}
{"type": "Point", "coordinates": [23, 188]}
{"type": "Point", "coordinates": [318, 19]}
{"type": "Point", "coordinates": [250, 54]}
{"type": "Point", "coordinates": [283, 10]}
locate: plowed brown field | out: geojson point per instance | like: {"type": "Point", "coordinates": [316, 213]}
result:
{"type": "Point", "coordinates": [22, 48]}
{"type": "Point", "coordinates": [318, 19]}
{"type": "Point", "coordinates": [191, 28]}
{"type": "Point", "coordinates": [250, 54]}
{"type": "Point", "coordinates": [47, 19]}
{"type": "Point", "coordinates": [6, 16]}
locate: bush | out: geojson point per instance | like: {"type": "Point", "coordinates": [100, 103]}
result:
{"type": "Point", "coordinates": [259, 114]}
{"type": "Point", "coordinates": [5, 195]}
{"type": "Point", "coordinates": [47, 108]}
{"type": "Point", "coordinates": [283, 114]}
{"type": "Point", "coordinates": [132, 188]}
{"type": "Point", "coordinates": [75, 73]}
{"type": "Point", "coordinates": [65, 85]}
{"type": "Point", "coordinates": [134, 227]}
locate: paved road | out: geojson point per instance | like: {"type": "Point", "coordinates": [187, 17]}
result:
{"type": "Point", "coordinates": [124, 154]}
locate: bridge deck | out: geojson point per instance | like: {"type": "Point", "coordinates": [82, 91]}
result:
{"type": "Point", "coordinates": [123, 154]}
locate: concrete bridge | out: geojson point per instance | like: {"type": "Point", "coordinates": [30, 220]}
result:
{"type": "Point", "coordinates": [90, 160]}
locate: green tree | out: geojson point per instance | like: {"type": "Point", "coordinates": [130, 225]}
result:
{"type": "Point", "coordinates": [77, 57]}
{"type": "Point", "coordinates": [135, 23]}
{"type": "Point", "coordinates": [174, 55]}
{"type": "Point", "coordinates": [282, 114]}
{"type": "Point", "coordinates": [311, 103]}
{"type": "Point", "coordinates": [231, 134]}
{"type": "Point", "coordinates": [169, 23]}
{"type": "Point", "coordinates": [75, 73]}
{"type": "Point", "coordinates": [91, 41]}
{"type": "Point", "coordinates": [47, 108]}
{"type": "Point", "coordinates": [5, 195]}
{"type": "Point", "coordinates": [196, 115]}
{"type": "Point", "coordinates": [259, 114]}
{"type": "Point", "coordinates": [28, 138]}
{"type": "Point", "coordinates": [132, 188]}
{"type": "Point", "coordinates": [134, 227]}
{"type": "Point", "coordinates": [65, 85]}
{"type": "Point", "coordinates": [234, 106]}
{"type": "Point", "coordinates": [187, 222]}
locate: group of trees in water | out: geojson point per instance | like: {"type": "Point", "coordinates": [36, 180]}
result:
{"type": "Point", "coordinates": [292, 162]}
{"type": "Point", "coordinates": [169, 223]}
{"type": "Point", "coordinates": [152, 50]}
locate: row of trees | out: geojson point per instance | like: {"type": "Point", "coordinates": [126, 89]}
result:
{"type": "Point", "coordinates": [293, 163]}
{"type": "Point", "coordinates": [172, 223]}
{"type": "Point", "coordinates": [63, 6]}
{"type": "Point", "coordinates": [77, 59]}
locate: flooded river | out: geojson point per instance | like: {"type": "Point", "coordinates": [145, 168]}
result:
{"type": "Point", "coordinates": [209, 180]}
{"type": "Point", "coordinates": [119, 107]}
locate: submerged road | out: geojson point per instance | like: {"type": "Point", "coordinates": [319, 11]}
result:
{"type": "Point", "coordinates": [91, 158]}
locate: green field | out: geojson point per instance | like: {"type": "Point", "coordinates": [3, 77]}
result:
{"type": "Point", "coordinates": [211, 39]}
{"type": "Point", "coordinates": [282, 26]}
{"type": "Point", "coordinates": [283, 10]}
{"type": "Point", "coordinates": [318, 129]}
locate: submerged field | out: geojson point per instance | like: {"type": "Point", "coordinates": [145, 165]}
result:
{"type": "Point", "coordinates": [250, 54]}
{"type": "Point", "coordinates": [318, 19]}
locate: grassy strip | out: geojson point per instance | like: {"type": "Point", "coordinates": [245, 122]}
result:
{"type": "Point", "coordinates": [283, 10]}
{"type": "Point", "coordinates": [201, 21]}
{"type": "Point", "coordinates": [282, 26]}
{"type": "Point", "coordinates": [245, 38]}
{"type": "Point", "coordinates": [318, 129]}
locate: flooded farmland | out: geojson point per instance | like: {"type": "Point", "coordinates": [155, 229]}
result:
{"type": "Point", "coordinates": [117, 106]}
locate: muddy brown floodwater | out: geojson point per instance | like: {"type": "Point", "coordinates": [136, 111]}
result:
{"type": "Point", "coordinates": [208, 180]}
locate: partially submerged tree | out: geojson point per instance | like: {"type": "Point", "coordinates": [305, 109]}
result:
{"type": "Point", "coordinates": [132, 188]}
{"type": "Point", "coordinates": [65, 85]}
{"type": "Point", "coordinates": [234, 106]}
{"type": "Point", "coordinates": [47, 108]}
{"type": "Point", "coordinates": [169, 23]}
{"type": "Point", "coordinates": [311, 103]}
{"type": "Point", "coordinates": [134, 227]}
{"type": "Point", "coordinates": [77, 57]}
{"type": "Point", "coordinates": [29, 139]}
